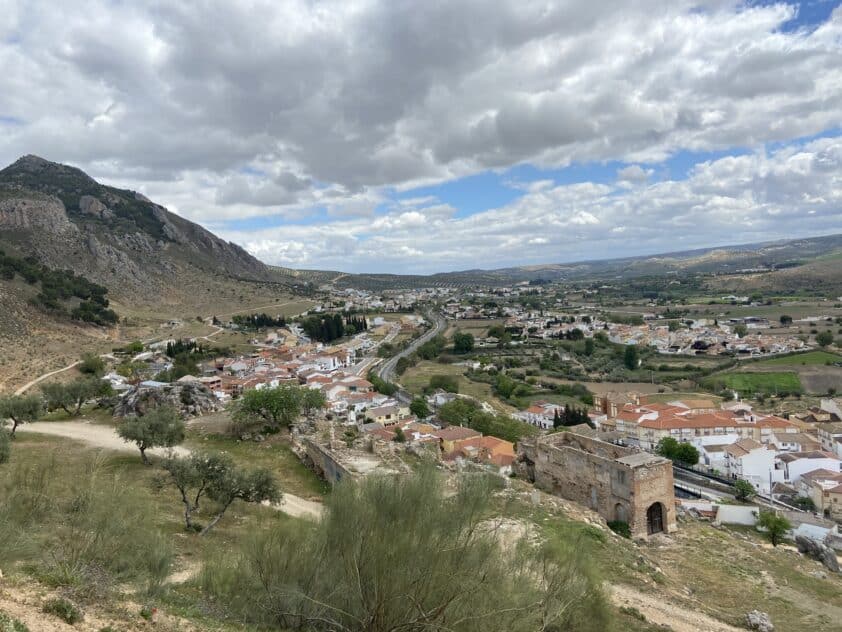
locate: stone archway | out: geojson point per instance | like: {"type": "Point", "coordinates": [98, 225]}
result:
{"type": "Point", "coordinates": [655, 519]}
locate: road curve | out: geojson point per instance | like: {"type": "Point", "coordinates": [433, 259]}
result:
{"type": "Point", "coordinates": [387, 369]}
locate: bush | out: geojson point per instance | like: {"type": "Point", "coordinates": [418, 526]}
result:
{"type": "Point", "coordinates": [620, 527]}
{"type": "Point", "coordinates": [92, 365]}
{"type": "Point", "coordinates": [87, 538]}
{"type": "Point", "coordinates": [446, 383]}
{"type": "Point", "coordinates": [64, 609]}
{"type": "Point", "coordinates": [8, 624]}
{"type": "Point", "coordinates": [376, 562]}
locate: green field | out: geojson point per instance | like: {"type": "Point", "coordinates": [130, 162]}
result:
{"type": "Point", "coordinates": [417, 377]}
{"type": "Point", "coordinates": [768, 383]}
{"type": "Point", "coordinates": [811, 358]}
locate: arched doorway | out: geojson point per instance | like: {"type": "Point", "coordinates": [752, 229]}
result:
{"type": "Point", "coordinates": [655, 518]}
{"type": "Point", "coordinates": [620, 513]}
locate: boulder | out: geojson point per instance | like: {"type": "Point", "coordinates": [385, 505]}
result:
{"type": "Point", "coordinates": [760, 621]}
{"type": "Point", "coordinates": [191, 399]}
{"type": "Point", "coordinates": [817, 551]}
{"type": "Point", "coordinates": [90, 205]}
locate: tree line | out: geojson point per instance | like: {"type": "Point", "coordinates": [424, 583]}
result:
{"type": "Point", "coordinates": [258, 321]}
{"type": "Point", "coordinates": [330, 327]}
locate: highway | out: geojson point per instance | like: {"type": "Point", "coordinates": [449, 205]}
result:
{"type": "Point", "coordinates": [386, 371]}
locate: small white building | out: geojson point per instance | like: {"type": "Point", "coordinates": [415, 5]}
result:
{"type": "Point", "coordinates": [754, 462]}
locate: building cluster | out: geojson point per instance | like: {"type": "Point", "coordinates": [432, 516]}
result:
{"type": "Point", "coordinates": [550, 319]}
{"type": "Point", "coordinates": [798, 456]}
{"type": "Point", "coordinates": [359, 300]}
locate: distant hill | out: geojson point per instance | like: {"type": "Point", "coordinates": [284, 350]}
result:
{"type": "Point", "coordinates": [816, 257]}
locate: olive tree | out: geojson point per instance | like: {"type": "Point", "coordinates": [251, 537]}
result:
{"type": "Point", "coordinates": [250, 486]}
{"type": "Point", "coordinates": [160, 427]}
{"type": "Point", "coordinates": [21, 409]}
{"type": "Point", "coordinates": [774, 526]}
{"type": "Point", "coordinates": [71, 396]}
{"type": "Point", "coordinates": [270, 409]}
{"type": "Point", "coordinates": [193, 475]}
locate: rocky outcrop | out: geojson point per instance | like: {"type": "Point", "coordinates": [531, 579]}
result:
{"type": "Point", "coordinates": [760, 621]}
{"type": "Point", "coordinates": [191, 399]}
{"type": "Point", "coordinates": [26, 210]}
{"type": "Point", "coordinates": [817, 551]}
{"type": "Point", "coordinates": [92, 206]}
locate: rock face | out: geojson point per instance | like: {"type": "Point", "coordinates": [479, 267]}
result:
{"type": "Point", "coordinates": [817, 551]}
{"type": "Point", "coordinates": [191, 399]}
{"type": "Point", "coordinates": [92, 206]}
{"type": "Point", "coordinates": [760, 621]}
{"type": "Point", "coordinates": [20, 210]}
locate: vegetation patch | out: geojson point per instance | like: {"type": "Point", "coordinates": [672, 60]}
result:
{"type": "Point", "coordinates": [811, 358]}
{"type": "Point", "coordinates": [64, 609]}
{"type": "Point", "coordinates": [10, 624]}
{"type": "Point", "coordinates": [767, 383]}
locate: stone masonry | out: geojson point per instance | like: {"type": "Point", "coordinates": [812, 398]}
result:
{"type": "Point", "coordinates": [617, 482]}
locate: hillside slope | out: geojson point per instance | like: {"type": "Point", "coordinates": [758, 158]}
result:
{"type": "Point", "coordinates": [118, 238]}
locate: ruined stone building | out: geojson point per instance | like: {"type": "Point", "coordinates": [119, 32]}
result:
{"type": "Point", "coordinates": [617, 482]}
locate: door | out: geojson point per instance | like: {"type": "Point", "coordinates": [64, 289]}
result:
{"type": "Point", "coordinates": [655, 519]}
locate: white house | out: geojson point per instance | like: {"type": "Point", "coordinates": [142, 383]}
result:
{"type": "Point", "coordinates": [795, 464]}
{"type": "Point", "coordinates": [754, 462]}
{"type": "Point", "coordinates": [712, 450]}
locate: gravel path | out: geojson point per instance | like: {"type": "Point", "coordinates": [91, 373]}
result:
{"type": "Point", "coordinates": [101, 436]}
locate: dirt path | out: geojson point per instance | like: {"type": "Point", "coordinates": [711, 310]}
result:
{"type": "Point", "coordinates": [106, 437]}
{"type": "Point", "coordinates": [661, 612]}
{"type": "Point", "coordinates": [41, 378]}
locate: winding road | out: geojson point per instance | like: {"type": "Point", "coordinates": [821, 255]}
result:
{"type": "Point", "coordinates": [387, 369]}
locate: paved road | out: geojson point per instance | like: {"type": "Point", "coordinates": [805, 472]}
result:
{"type": "Point", "coordinates": [387, 370]}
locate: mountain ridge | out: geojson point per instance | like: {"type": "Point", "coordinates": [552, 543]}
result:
{"type": "Point", "coordinates": [117, 237]}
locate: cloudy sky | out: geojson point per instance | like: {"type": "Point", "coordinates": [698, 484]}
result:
{"type": "Point", "coordinates": [407, 136]}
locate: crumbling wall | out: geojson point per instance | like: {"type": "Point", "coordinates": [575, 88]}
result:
{"type": "Point", "coordinates": [325, 463]}
{"type": "Point", "coordinates": [587, 471]}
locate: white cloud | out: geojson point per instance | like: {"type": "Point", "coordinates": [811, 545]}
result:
{"type": "Point", "coordinates": [229, 110]}
{"type": "Point", "coordinates": [731, 200]}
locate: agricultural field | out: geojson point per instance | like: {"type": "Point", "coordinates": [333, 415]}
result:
{"type": "Point", "coordinates": [416, 378]}
{"type": "Point", "coordinates": [768, 383]}
{"type": "Point", "coordinates": [811, 358]}
{"type": "Point", "coordinates": [478, 327]}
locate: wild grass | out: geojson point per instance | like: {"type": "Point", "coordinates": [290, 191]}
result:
{"type": "Point", "coordinates": [80, 526]}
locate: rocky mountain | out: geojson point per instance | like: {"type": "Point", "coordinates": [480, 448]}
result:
{"type": "Point", "coordinates": [118, 238]}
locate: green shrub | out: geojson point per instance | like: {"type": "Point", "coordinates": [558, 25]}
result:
{"type": "Point", "coordinates": [64, 609]}
{"type": "Point", "coordinates": [8, 624]}
{"type": "Point", "coordinates": [633, 612]}
{"type": "Point", "coordinates": [381, 540]}
{"type": "Point", "coordinates": [620, 527]}
{"type": "Point", "coordinates": [85, 539]}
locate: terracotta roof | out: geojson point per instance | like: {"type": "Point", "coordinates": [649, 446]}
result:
{"type": "Point", "coordinates": [822, 474]}
{"type": "Point", "coordinates": [455, 433]}
{"type": "Point", "coordinates": [789, 457]}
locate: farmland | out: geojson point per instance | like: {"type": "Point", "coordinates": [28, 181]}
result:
{"type": "Point", "coordinates": [768, 383]}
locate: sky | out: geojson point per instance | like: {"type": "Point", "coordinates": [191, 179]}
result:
{"type": "Point", "coordinates": [417, 137]}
